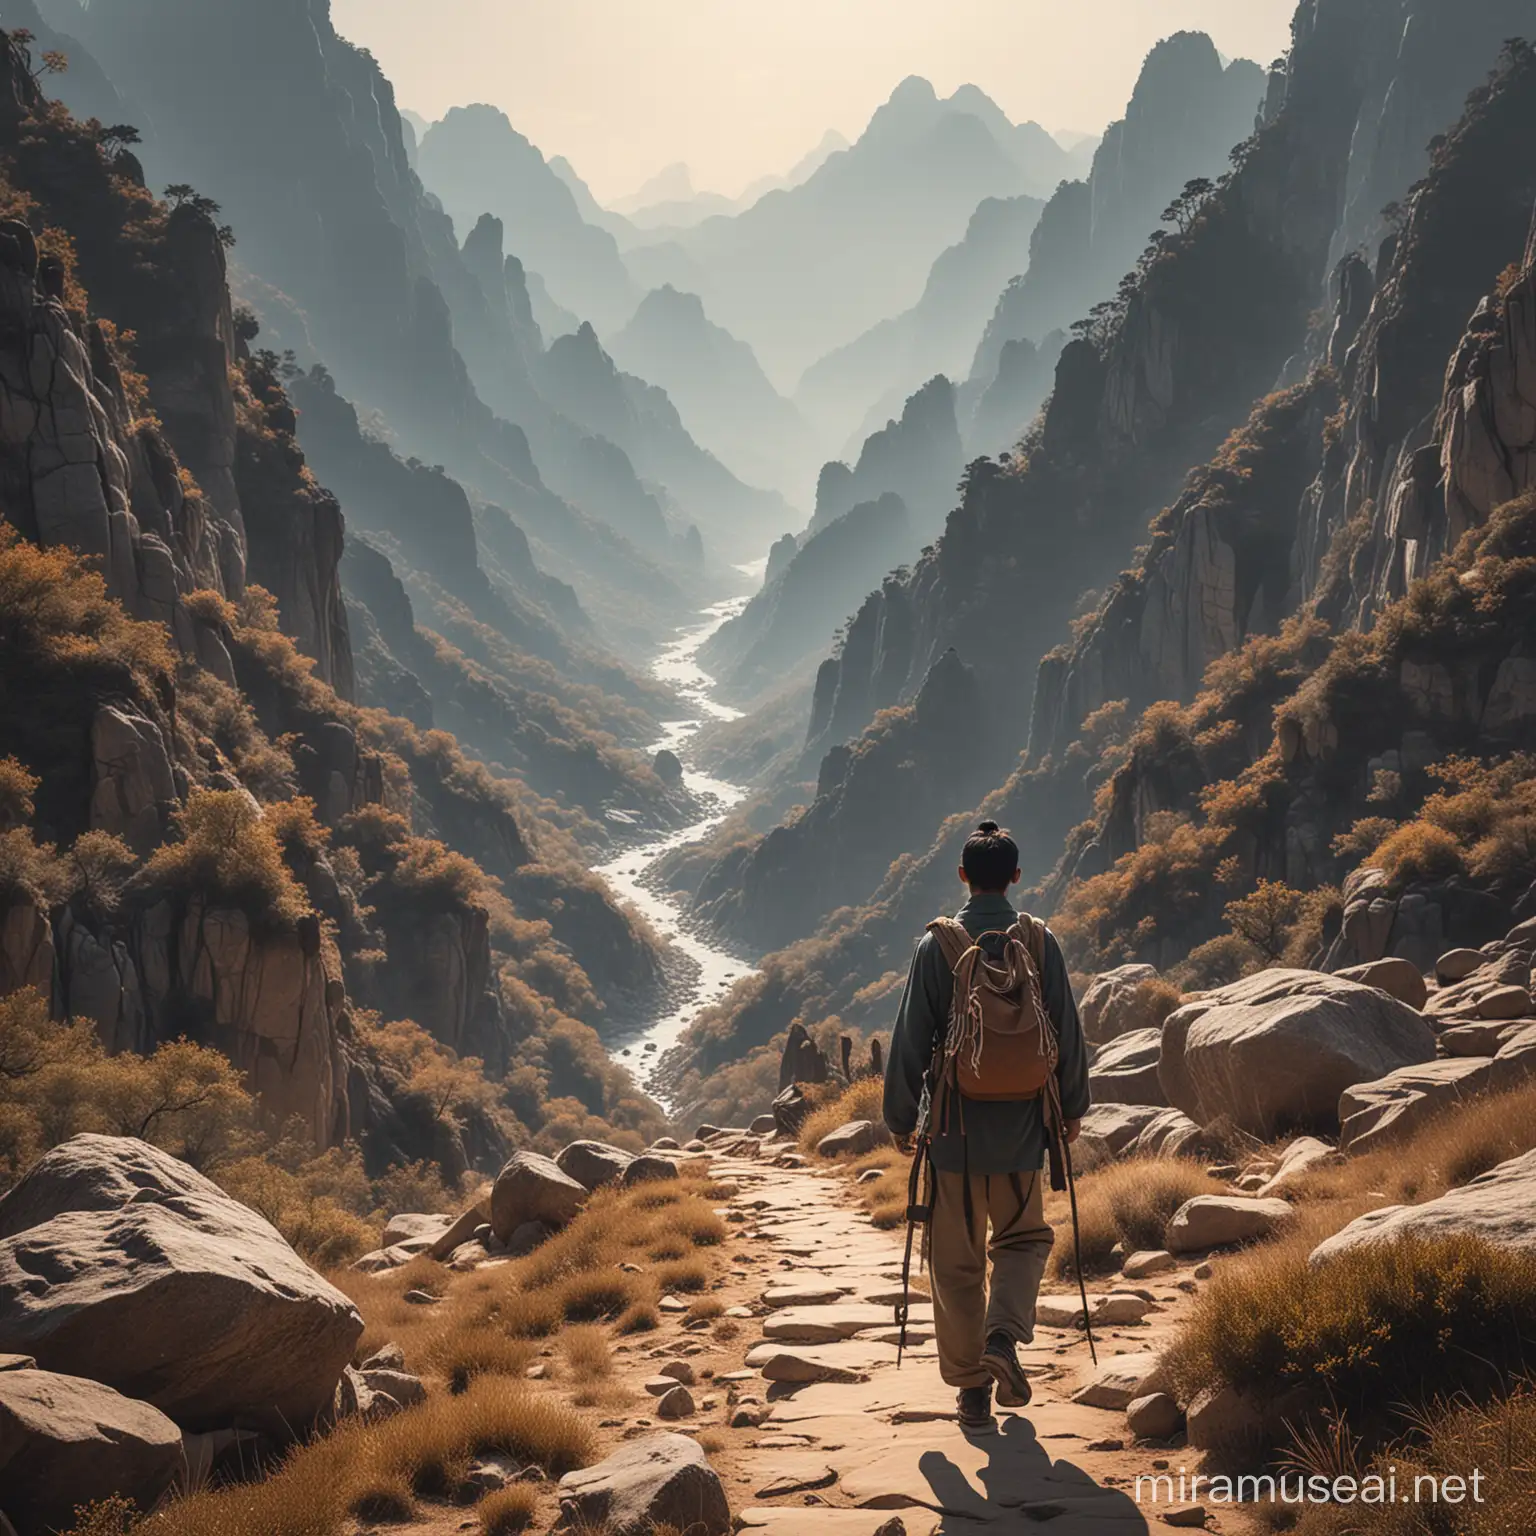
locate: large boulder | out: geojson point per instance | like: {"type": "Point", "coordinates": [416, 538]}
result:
{"type": "Point", "coordinates": [66, 1441]}
{"type": "Point", "coordinates": [1298, 1159]}
{"type": "Point", "coordinates": [1499, 1206]}
{"type": "Point", "coordinates": [649, 1168]}
{"type": "Point", "coordinates": [593, 1163]}
{"type": "Point", "coordinates": [1125, 1070]}
{"type": "Point", "coordinates": [656, 1480]}
{"type": "Point", "coordinates": [1276, 1049]}
{"type": "Point", "coordinates": [1118, 1002]}
{"type": "Point", "coordinates": [120, 1263]}
{"type": "Point", "coordinates": [532, 1187]}
{"type": "Point", "coordinates": [1170, 1133]}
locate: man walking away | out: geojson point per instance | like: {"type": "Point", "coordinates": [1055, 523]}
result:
{"type": "Point", "coordinates": [987, 1062]}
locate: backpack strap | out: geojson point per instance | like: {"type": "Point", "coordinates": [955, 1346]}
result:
{"type": "Point", "coordinates": [954, 939]}
{"type": "Point", "coordinates": [1032, 932]}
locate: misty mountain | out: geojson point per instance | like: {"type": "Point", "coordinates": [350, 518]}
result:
{"type": "Point", "coordinates": [718, 385]}
{"type": "Point", "coordinates": [476, 162]}
{"type": "Point", "coordinates": [807, 269]}
{"type": "Point", "coordinates": [862, 383]}
{"type": "Point", "coordinates": [1185, 114]}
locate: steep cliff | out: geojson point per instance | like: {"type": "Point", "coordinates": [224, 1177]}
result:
{"type": "Point", "coordinates": [202, 836]}
{"type": "Point", "coordinates": [809, 596]}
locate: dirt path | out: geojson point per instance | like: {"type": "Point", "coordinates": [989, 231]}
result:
{"type": "Point", "coordinates": [841, 1456]}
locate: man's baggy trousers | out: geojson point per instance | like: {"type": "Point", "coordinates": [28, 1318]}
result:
{"type": "Point", "coordinates": [958, 1249]}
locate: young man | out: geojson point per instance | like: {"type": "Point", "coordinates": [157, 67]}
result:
{"type": "Point", "coordinates": [987, 1154]}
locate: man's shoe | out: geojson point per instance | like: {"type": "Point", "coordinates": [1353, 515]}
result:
{"type": "Point", "coordinates": [1001, 1362]}
{"type": "Point", "coordinates": [975, 1408]}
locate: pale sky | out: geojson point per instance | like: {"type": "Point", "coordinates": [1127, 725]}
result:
{"type": "Point", "coordinates": [742, 88]}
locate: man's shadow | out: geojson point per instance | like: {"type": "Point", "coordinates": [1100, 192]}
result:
{"type": "Point", "coordinates": [1020, 1475]}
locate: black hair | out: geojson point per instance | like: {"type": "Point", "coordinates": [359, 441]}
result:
{"type": "Point", "coordinates": [990, 858]}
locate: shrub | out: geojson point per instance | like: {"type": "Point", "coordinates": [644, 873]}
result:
{"type": "Point", "coordinates": [1374, 1329]}
{"type": "Point", "coordinates": [226, 852]}
{"type": "Point", "coordinates": [508, 1510]}
{"type": "Point", "coordinates": [1129, 1202]}
{"type": "Point", "coordinates": [1419, 851]}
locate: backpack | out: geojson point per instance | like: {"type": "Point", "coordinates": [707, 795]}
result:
{"type": "Point", "coordinates": [1001, 1044]}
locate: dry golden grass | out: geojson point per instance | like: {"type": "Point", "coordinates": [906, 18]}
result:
{"type": "Point", "coordinates": [1128, 1202]}
{"type": "Point", "coordinates": [707, 1307]}
{"type": "Point", "coordinates": [861, 1100]}
{"type": "Point", "coordinates": [1467, 1139]}
{"type": "Point", "coordinates": [1498, 1439]}
{"type": "Point", "coordinates": [1373, 1332]}
{"type": "Point", "coordinates": [508, 1510]}
{"type": "Point", "coordinates": [487, 1319]}
{"type": "Point", "coordinates": [885, 1199]}
{"type": "Point", "coordinates": [586, 1352]}
{"type": "Point", "coordinates": [379, 1471]}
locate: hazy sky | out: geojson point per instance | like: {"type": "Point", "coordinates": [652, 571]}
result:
{"type": "Point", "coordinates": [740, 88]}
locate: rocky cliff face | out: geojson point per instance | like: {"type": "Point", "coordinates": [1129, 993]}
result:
{"type": "Point", "coordinates": [809, 596]}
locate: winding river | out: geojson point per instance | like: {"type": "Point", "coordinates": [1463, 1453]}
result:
{"type": "Point", "coordinates": [708, 970]}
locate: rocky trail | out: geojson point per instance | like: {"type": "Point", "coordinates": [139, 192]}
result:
{"type": "Point", "coordinates": [795, 1391]}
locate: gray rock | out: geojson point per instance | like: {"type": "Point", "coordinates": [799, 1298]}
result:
{"type": "Point", "coordinates": [1153, 1417]}
{"type": "Point", "coordinates": [593, 1163]}
{"type": "Point", "coordinates": [852, 1140]}
{"type": "Point", "coordinates": [1391, 1108]}
{"type": "Point", "coordinates": [648, 1168]}
{"type": "Point", "coordinates": [661, 1479]}
{"type": "Point", "coordinates": [1214, 1221]}
{"type": "Point", "coordinates": [407, 1390]}
{"type": "Point", "coordinates": [66, 1441]}
{"type": "Point", "coordinates": [414, 1226]}
{"type": "Point", "coordinates": [1125, 1070]}
{"type": "Point", "coordinates": [1120, 1380]}
{"type": "Point", "coordinates": [1457, 964]}
{"type": "Point", "coordinates": [675, 1403]}
{"type": "Point", "coordinates": [1112, 1005]}
{"type": "Point", "coordinates": [531, 1187]}
{"type": "Point", "coordinates": [763, 1125]}
{"type": "Point", "coordinates": [1498, 1206]}
{"type": "Point", "coordinates": [1148, 1262]}
{"type": "Point", "coordinates": [1302, 1155]}
{"type": "Point", "coordinates": [1279, 1047]}
{"type": "Point", "coordinates": [1393, 975]}
{"type": "Point", "coordinates": [173, 1293]}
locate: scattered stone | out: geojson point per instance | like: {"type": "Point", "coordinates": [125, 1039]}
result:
{"type": "Point", "coordinates": [1222, 1419]}
{"type": "Point", "coordinates": [1153, 1417]}
{"type": "Point", "coordinates": [410, 1225]}
{"type": "Point", "coordinates": [407, 1390]}
{"type": "Point", "coordinates": [871, 1176]}
{"type": "Point", "coordinates": [1300, 1157]}
{"type": "Point", "coordinates": [828, 1324]}
{"type": "Point", "coordinates": [593, 1163]}
{"type": "Point", "coordinates": [120, 1263]}
{"type": "Point", "coordinates": [532, 1187]}
{"type": "Point", "coordinates": [538, 1371]}
{"type": "Point", "coordinates": [1119, 1307]}
{"type": "Point", "coordinates": [66, 1441]}
{"type": "Point", "coordinates": [740, 1312]}
{"type": "Point", "coordinates": [675, 1403]}
{"type": "Point", "coordinates": [1506, 1002]}
{"type": "Point", "coordinates": [678, 1370]}
{"type": "Point", "coordinates": [895, 1526]}
{"type": "Point", "coordinates": [1119, 1381]}
{"type": "Point", "coordinates": [648, 1169]}
{"type": "Point", "coordinates": [748, 1418]}
{"type": "Point", "coordinates": [420, 1298]}
{"type": "Point", "coordinates": [1105, 1445]}
{"type": "Point", "coordinates": [17, 1363]}
{"type": "Point", "coordinates": [802, 1294]}
{"type": "Point", "coordinates": [672, 1304]}
{"type": "Point", "coordinates": [1482, 1037]}
{"type": "Point", "coordinates": [852, 1140]}
{"type": "Point", "coordinates": [763, 1125]}
{"type": "Point", "coordinates": [797, 1482]}
{"type": "Point", "coordinates": [355, 1398]}
{"type": "Point", "coordinates": [1214, 1221]}
{"type": "Point", "coordinates": [664, 1144]}
{"type": "Point", "coordinates": [1184, 1514]}
{"type": "Point", "coordinates": [1399, 978]}
{"type": "Point", "coordinates": [779, 1364]}
{"type": "Point", "coordinates": [1457, 964]}
{"type": "Point", "coordinates": [1148, 1262]}
{"type": "Point", "coordinates": [1204, 1271]}
{"type": "Point", "coordinates": [661, 1479]}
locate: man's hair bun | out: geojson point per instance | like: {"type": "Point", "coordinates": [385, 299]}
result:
{"type": "Point", "coordinates": [986, 826]}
